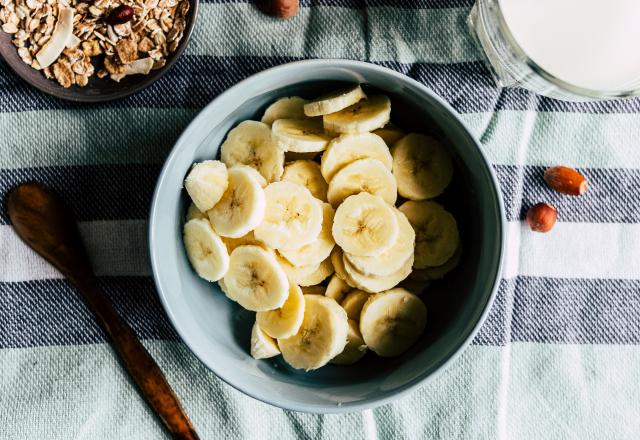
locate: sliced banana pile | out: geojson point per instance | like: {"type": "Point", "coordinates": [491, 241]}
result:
{"type": "Point", "coordinates": [301, 222]}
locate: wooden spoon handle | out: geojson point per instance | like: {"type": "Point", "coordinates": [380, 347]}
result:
{"type": "Point", "coordinates": [137, 360]}
{"type": "Point", "coordinates": [44, 222]}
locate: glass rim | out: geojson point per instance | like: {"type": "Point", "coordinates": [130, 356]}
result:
{"type": "Point", "coordinates": [548, 76]}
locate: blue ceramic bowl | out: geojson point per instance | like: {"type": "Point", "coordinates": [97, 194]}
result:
{"type": "Point", "coordinates": [217, 330]}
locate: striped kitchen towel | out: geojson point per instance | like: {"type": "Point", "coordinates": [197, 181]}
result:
{"type": "Point", "coordinates": [558, 357]}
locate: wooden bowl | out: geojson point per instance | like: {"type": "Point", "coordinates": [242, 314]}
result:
{"type": "Point", "coordinates": [97, 90]}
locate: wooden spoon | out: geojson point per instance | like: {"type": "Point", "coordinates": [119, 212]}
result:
{"type": "Point", "coordinates": [45, 223]}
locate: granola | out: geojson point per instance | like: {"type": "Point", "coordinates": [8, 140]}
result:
{"type": "Point", "coordinates": [112, 38]}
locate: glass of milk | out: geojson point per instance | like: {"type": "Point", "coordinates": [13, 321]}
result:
{"type": "Point", "coordinates": [565, 49]}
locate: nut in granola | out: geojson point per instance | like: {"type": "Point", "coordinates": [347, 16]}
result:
{"type": "Point", "coordinates": [73, 54]}
{"type": "Point", "coordinates": [120, 15]}
{"type": "Point", "coordinates": [127, 51]}
{"type": "Point", "coordinates": [112, 66]}
{"type": "Point", "coordinates": [63, 74]}
{"type": "Point", "coordinates": [145, 45]}
{"type": "Point", "coordinates": [82, 80]}
{"type": "Point", "coordinates": [91, 48]}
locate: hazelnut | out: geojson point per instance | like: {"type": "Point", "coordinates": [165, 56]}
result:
{"type": "Point", "coordinates": [120, 15]}
{"type": "Point", "coordinates": [541, 217]}
{"type": "Point", "coordinates": [279, 8]}
{"type": "Point", "coordinates": [566, 180]}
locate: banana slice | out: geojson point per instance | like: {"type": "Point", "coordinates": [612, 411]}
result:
{"type": "Point", "coordinates": [263, 346]}
{"type": "Point", "coordinates": [300, 135]}
{"type": "Point", "coordinates": [422, 167]}
{"type": "Point", "coordinates": [336, 261]}
{"type": "Point", "coordinates": [325, 270]}
{"type": "Point", "coordinates": [390, 134]}
{"type": "Point", "coordinates": [365, 225]}
{"type": "Point", "coordinates": [373, 284]}
{"type": "Point", "coordinates": [392, 259]}
{"type": "Point", "coordinates": [307, 173]}
{"type": "Point", "coordinates": [437, 234]}
{"type": "Point", "coordinates": [194, 213]}
{"type": "Point", "coordinates": [321, 337]}
{"type": "Point", "coordinates": [205, 249]}
{"type": "Point", "coordinates": [297, 273]}
{"type": "Point", "coordinates": [355, 348]}
{"type": "Point", "coordinates": [438, 272]}
{"type": "Point", "coordinates": [307, 275]}
{"type": "Point", "coordinates": [254, 173]}
{"type": "Point", "coordinates": [285, 108]}
{"type": "Point", "coordinates": [255, 280]}
{"type": "Point", "coordinates": [285, 321]}
{"type": "Point", "coordinates": [206, 182]}
{"type": "Point", "coordinates": [318, 250]}
{"type": "Point", "coordinates": [353, 302]}
{"type": "Point", "coordinates": [246, 239]}
{"type": "Point", "coordinates": [364, 175]}
{"type": "Point", "coordinates": [392, 321]}
{"type": "Point", "coordinates": [334, 102]}
{"type": "Point", "coordinates": [250, 143]}
{"type": "Point", "coordinates": [337, 287]}
{"type": "Point", "coordinates": [241, 208]}
{"type": "Point", "coordinates": [293, 217]}
{"type": "Point", "coordinates": [222, 286]}
{"type": "Point", "coordinates": [313, 290]}
{"type": "Point", "coordinates": [367, 115]}
{"type": "Point", "coordinates": [348, 148]}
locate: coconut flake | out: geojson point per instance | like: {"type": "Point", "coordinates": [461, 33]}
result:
{"type": "Point", "coordinates": [73, 41]}
{"type": "Point", "coordinates": [142, 66]}
{"type": "Point", "coordinates": [138, 67]}
{"type": "Point", "coordinates": [61, 34]}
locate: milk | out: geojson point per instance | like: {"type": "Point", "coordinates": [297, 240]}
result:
{"type": "Point", "coordinates": [593, 44]}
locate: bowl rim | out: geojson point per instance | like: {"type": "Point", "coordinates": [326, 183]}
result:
{"type": "Point", "coordinates": [145, 81]}
{"type": "Point", "coordinates": [409, 387]}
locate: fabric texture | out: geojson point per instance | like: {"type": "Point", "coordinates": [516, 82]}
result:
{"type": "Point", "coordinates": [557, 358]}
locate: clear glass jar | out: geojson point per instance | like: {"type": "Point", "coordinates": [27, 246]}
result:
{"type": "Point", "coordinates": [510, 66]}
